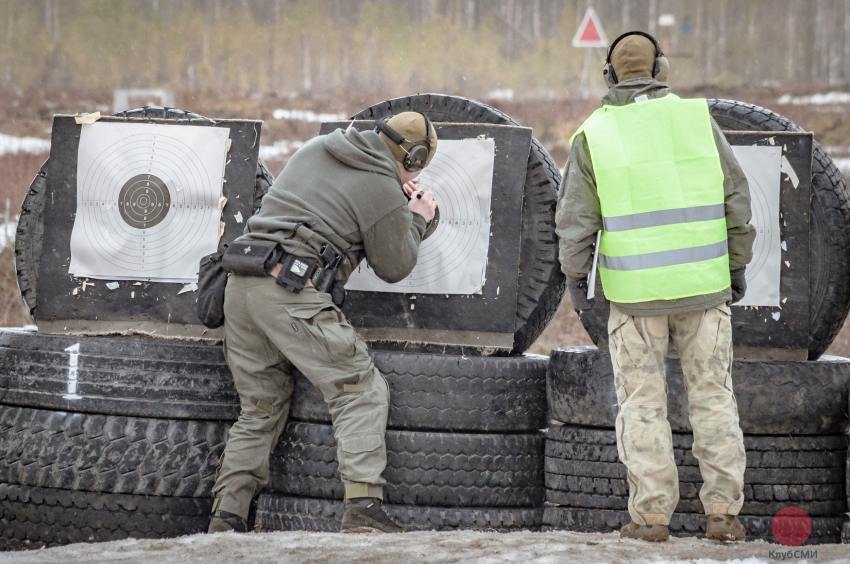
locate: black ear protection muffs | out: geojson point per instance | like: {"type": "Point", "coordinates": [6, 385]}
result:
{"type": "Point", "coordinates": [659, 67]}
{"type": "Point", "coordinates": [416, 157]}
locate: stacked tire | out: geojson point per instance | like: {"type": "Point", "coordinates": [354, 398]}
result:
{"type": "Point", "coordinates": [103, 438]}
{"type": "Point", "coordinates": [118, 438]}
{"type": "Point", "coordinates": [794, 438]}
{"type": "Point", "coordinates": [463, 448]}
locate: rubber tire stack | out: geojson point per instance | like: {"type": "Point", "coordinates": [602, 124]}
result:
{"type": "Point", "coordinates": [128, 446]}
{"type": "Point", "coordinates": [793, 415]}
{"type": "Point", "coordinates": [131, 451]}
{"type": "Point", "coordinates": [463, 448]}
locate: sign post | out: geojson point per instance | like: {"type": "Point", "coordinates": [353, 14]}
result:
{"type": "Point", "coordinates": [589, 35]}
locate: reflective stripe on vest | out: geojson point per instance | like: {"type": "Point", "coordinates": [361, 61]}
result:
{"type": "Point", "coordinates": [660, 187]}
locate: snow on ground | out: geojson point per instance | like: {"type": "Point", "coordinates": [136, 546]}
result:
{"type": "Point", "coordinates": [279, 149]}
{"type": "Point", "coordinates": [843, 164]}
{"type": "Point", "coordinates": [465, 546]}
{"type": "Point", "coordinates": [815, 99]}
{"type": "Point", "coordinates": [7, 233]}
{"type": "Point", "coordinates": [306, 115]}
{"type": "Point", "coordinates": [11, 145]}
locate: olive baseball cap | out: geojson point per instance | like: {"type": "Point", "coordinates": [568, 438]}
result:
{"type": "Point", "coordinates": [411, 126]}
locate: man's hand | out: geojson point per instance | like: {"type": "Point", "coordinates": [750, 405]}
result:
{"type": "Point", "coordinates": [739, 284]}
{"type": "Point", "coordinates": [423, 203]}
{"type": "Point", "coordinates": [410, 188]}
{"type": "Point", "coordinates": [578, 295]}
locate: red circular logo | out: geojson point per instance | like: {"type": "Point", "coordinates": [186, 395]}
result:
{"type": "Point", "coordinates": [791, 526]}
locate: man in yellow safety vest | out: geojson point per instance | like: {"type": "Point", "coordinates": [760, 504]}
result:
{"type": "Point", "coordinates": [654, 174]}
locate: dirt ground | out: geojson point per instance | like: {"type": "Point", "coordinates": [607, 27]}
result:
{"type": "Point", "coordinates": [469, 547]}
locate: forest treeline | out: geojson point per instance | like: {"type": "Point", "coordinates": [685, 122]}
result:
{"type": "Point", "coordinates": [331, 47]}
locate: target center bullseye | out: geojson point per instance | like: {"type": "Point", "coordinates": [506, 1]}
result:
{"type": "Point", "coordinates": [144, 201]}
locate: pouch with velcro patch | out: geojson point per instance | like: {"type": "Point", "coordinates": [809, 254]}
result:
{"type": "Point", "coordinates": [251, 258]}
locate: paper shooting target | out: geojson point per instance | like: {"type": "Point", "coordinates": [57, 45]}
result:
{"type": "Point", "coordinates": [147, 200]}
{"type": "Point", "coordinates": [762, 165]}
{"type": "Point", "coordinates": [453, 260]}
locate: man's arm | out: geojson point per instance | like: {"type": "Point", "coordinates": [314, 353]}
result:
{"type": "Point", "coordinates": [738, 213]}
{"type": "Point", "coordinates": [392, 243]}
{"type": "Point", "coordinates": [578, 216]}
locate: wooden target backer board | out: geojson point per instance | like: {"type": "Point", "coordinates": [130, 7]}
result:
{"type": "Point", "coordinates": [486, 319]}
{"type": "Point", "coordinates": [94, 306]}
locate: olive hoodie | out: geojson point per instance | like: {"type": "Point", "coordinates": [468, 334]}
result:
{"type": "Point", "coordinates": [578, 216]}
{"type": "Point", "coordinates": [345, 187]}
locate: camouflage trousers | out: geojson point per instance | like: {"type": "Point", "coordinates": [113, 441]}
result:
{"type": "Point", "coordinates": [644, 441]}
{"type": "Point", "coordinates": [268, 332]}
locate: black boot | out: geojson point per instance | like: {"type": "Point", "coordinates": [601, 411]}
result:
{"type": "Point", "coordinates": [225, 521]}
{"type": "Point", "coordinates": [367, 515]}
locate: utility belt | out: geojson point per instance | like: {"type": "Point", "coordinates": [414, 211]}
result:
{"type": "Point", "coordinates": [258, 258]}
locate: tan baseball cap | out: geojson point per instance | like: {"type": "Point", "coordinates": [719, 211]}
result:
{"type": "Point", "coordinates": [412, 127]}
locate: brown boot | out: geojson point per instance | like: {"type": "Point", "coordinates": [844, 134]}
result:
{"type": "Point", "coordinates": [225, 522]}
{"type": "Point", "coordinates": [367, 515]}
{"type": "Point", "coordinates": [725, 528]}
{"type": "Point", "coordinates": [650, 533]}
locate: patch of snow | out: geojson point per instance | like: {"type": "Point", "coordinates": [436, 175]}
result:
{"type": "Point", "coordinates": [279, 149]}
{"type": "Point", "coordinates": [843, 164]}
{"type": "Point", "coordinates": [506, 94]}
{"type": "Point", "coordinates": [443, 547]}
{"type": "Point", "coordinates": [836, 149]}
{"type": "Point", "coordinates": [11, 145]}
{"type": "Point", "coordinates": [306, 115]}
{"type": "Point", "coordinates": [7, 233]}
{"type": "Point", "coordinates": [815, 99]}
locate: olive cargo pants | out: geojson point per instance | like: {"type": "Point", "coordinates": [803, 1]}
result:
{"type": "Point", "coordinates": [268, 331]}
{"type": "Point", "coordinates": [644, 442]}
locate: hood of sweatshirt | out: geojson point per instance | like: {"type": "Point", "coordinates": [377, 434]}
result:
{"type": "Point", "coordinates": [362, 150]}
{"type": "Point", "coordinates": [626, 91]}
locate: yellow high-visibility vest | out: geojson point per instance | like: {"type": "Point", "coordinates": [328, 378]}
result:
{"type": "Point", "coordinates": [660, 187]}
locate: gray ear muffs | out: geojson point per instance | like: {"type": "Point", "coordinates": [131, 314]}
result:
{"type": "Point", "coordinates": [660, 67]}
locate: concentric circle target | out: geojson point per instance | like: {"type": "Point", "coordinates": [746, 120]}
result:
{"type": "Point", "coordinates": [453, 259]}
{"type": "Point", "coordinates": [144, 201]}
{"type": "Point", "coordinates": [763, 225]}
{"type": "Point", "coordinates": [460, 221]}
{"type": "Point", "coordinates": [142, 206]}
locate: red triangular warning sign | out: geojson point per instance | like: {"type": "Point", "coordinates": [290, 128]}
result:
{"type": "Point", "coordinates": [590, 32]}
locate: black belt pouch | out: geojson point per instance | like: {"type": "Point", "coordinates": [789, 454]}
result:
{"type": "Point", "coordinates": [251, 258]}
